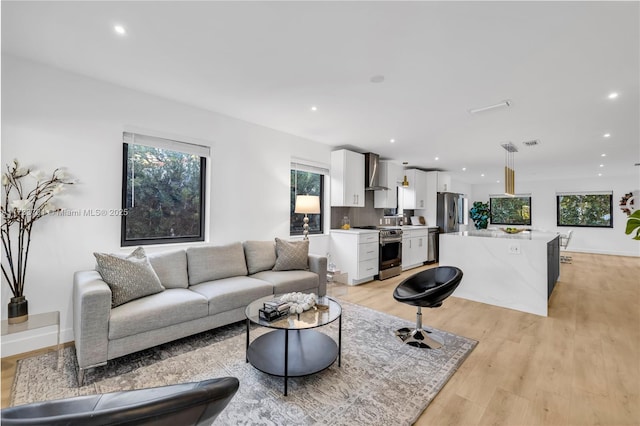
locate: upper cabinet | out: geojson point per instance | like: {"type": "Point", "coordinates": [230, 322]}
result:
{"type": "Point", "coordinates": [347, 179]}
{"type": "Point", "coordinates": [415, 195]}
{"type": "Point", "coordinates": [444, 182]}
{"type": "Point", "coordinates": [390, 174]}
{"type": "Point", "coordinates": [436, 182]}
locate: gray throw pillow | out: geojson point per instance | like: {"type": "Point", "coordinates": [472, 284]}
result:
{"type": "Point", "coordinates": [129, 278]}
{"type": "Point", "coordinates": [291, 255]}
{"type": "Point", "coordinates": [260, 255]}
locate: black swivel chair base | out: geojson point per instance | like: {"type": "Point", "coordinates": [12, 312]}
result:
{"type": "Point", "coordinates": [419, 337]}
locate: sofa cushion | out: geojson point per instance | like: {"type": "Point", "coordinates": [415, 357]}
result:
{"type": "Point", "coordinates": [291, 255]}
{"type": "Point", "coordinates": [289, 281]}
{"type": "Point", "coordinates": [215, 262]}
{"type": "Point", "coordinates": [231, 293]}
{"type": "Point", "coordinates": [129, 278]}
{"type": "Point", "coordinates": [260, 255]}
{"type": "Point", "coordinates": [171, 268]}
{"type": "Point", "coordinates": [172, 306]}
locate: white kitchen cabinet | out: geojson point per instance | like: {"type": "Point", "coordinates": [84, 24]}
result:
{"type": "Point", "coordinates": [436, 182]}
{"type": "Point", "coordinates": [347, 179]}
{"type": "Point", "coordinates": [356, 253]}
{"type": "Point", "coordinates": [414, 248]}
{"type": "Point", "coordinates": [415, 195]}
{"type": "Point", "coordinates": [390, 174]}
{"type": "Point", "coordinates": [431, 213]}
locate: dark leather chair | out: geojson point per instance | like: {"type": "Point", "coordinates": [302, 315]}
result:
{"type": "Point", "coordinates": [197, 403]}
{"type": "Point", "coordinates": [426, 289]}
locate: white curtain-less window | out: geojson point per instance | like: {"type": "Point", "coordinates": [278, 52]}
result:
{"type": "Point", "coordinates": [163, 190]}
{"type": "Point", "coordinates": [307, 178]}
{"type": "Point", "coordinates": [585, 209]}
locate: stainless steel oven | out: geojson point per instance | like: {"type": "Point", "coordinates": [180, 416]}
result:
{"type": "Point", "coordinates": [390, 256]}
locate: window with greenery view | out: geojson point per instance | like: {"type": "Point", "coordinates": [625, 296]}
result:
{"type": "Point", "coordinates": [304, 182]}
{"type": "Point", "coordinates": [510, 210]}
{"type": "Point", "coordinates": [585, 209]}
{"type": "Point", "coordinates": [163, 194]}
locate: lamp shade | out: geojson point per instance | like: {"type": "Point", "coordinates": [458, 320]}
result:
{"type": "Point", "coordinates": [307, 204]}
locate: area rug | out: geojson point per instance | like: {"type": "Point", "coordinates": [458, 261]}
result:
{"type": "Point", "coordinates": [380, 381]}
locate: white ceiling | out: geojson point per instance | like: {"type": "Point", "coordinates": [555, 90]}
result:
{"type": "Point", "coordinates": [269, 62]}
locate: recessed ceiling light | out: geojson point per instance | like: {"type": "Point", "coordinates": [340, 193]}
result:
{"type": "Point", "coordinates": [613, 95]}
{"type": "Point", "coordinates": [437, 158]}
{"type": "Point", "coordinates": [464, 169]}
{"type": "Point", "coordinates": [482, 175]}
{"type": "Point", "coordinates": [606, 135]}
{"type": "Point", "coordinates": [603, 155]}
{"type": "Point", "coordinates": [601, 165]}
{"type": "Point", "coordinates": [314, 108]}
{"type": "Point", "coordinates": [377, 79]}
{"type": "Point", "coordinates": [498, 181]}
{"type": "Point", "coordinates": [119, 29]}
{"type": "Point", "coordinates": [599, 174]}
{"type": "Point", "coordinates": [392, 140]}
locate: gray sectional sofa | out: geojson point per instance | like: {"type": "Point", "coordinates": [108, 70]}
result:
{"type": "Point", "coordinates": [204, 287]}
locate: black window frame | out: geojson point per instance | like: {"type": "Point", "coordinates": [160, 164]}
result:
{"type": "Point", "coordinates": [128, 242]}
{"type": "Point", "coordinates": [610, 195]}
{"type": "Point", "coordinates": [298, 231]}
{"type": "Point", "coordinates": [491, 198]}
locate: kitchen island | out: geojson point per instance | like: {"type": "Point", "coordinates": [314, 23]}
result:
{"type": "Point", "coordinates": [516, 271]}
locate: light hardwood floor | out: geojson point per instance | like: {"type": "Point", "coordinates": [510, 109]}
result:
{"type": "Point", "coordinates": [578, 366]}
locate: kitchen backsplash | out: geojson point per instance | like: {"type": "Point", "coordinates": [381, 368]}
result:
{"type": "Point", "coordinates": [360, 216]}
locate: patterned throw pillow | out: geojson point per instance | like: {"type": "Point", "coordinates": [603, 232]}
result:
{"type": "Point", "coordinates": [291, 255]}
{"type": "Point", "coordinates": [129, 278]}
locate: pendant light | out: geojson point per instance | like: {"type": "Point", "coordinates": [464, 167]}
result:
{"type": "Point", "coordinates": [509, 169]}
{"type": "Point", "coordinates": [405, 182]}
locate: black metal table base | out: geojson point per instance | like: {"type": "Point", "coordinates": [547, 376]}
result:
{"type": "Point", "coordinates": [293, 353]}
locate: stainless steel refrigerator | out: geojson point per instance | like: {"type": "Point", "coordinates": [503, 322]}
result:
{"type": "Point", "coordinates": [450, 214]}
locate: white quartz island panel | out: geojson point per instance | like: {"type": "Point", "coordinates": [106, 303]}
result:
{"type": "Point", "coordinates": [513, 271]}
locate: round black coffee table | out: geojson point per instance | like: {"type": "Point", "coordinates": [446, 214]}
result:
{"type": "Point", "coordinates": [294, 348]}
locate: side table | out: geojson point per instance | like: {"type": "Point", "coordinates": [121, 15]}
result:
{"type": "Point", "coordinates": [34, 322]}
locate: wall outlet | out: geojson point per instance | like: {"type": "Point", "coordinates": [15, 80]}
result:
{"type": "Point", "coordinates": [514, 249]}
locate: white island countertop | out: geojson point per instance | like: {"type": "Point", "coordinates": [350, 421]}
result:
{"type": "Point", "coordinates": [515, 271]}
{"type": "Point", "coordinates": [497, 233]}
{"type": "Point", "coordinates": [355, 231]}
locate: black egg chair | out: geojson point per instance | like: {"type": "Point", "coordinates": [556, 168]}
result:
{"type": "Point", "coordinates": [426, 289]}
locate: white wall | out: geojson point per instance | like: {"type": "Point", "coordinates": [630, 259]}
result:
{"type": "Point", "coordinates": [52, 118]}
{"type": "Point", "coordinates": [543, 211]}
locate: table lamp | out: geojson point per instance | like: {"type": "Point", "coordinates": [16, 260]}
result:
{"type": "Point", "coordinates": [307, 204]}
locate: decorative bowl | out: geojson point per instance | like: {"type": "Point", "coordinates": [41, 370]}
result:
{"type": "Point", "coordinates": [512, 230]}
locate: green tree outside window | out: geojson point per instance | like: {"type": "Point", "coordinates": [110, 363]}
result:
{"type": "Point", "coordinates": [590, 210]}
{"type": "Point", "coordinates": [163, 196]}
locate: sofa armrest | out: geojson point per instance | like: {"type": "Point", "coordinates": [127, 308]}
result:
{"type": "Point", "coordinates": [318, 264]}
{"type": "Point", "coordinates": [91, 312]}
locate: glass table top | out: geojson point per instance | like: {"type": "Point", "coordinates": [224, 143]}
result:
{"type": "Point", "coordinates": [326, 311]}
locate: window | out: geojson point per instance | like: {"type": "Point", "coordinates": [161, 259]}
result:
{"type": "Point", "coordinates": [306, 179]}
{"type": "Point", "coordinates": [163, 191]}
{"type": "Point", "coordinates": [510, 210]}
{"type": "Point", "coordinates": [585, 209]}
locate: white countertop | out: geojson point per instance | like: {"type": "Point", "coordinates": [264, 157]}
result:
{"type": "Point", "coordinates": [356, 231]}
{"type": "Point", "coordinates": [490, 233]}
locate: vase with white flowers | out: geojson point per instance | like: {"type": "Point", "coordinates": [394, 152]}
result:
{"type": "Point", "coordinates": [28, 196]}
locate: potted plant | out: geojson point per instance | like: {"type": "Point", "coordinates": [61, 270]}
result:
{"type": "Point", "coordinates": [21, 209]}
{"type": "Point", "coordinates": [633, 223]}
{"type": "Point", "coordinates": [479, 213]}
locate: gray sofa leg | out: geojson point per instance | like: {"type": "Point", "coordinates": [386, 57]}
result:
{"type": "Point", "coordinates": [80, 376]}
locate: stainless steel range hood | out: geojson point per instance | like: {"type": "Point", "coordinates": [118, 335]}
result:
{"type": "Point", "coordinates": [372, 172]}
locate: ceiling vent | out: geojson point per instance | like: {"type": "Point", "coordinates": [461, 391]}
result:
{"type": "Point", "coordinates": [531, 143]}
